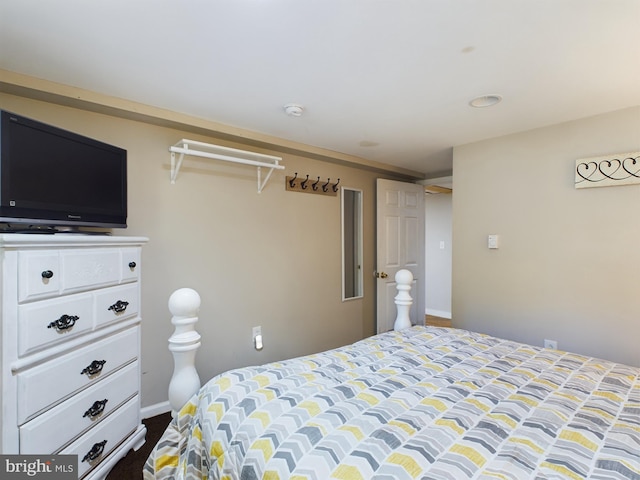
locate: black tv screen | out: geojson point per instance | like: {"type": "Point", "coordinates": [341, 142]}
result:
{"type": "Point", "coordinates": [53, 177]}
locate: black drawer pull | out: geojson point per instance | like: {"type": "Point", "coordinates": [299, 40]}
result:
{"type": "Point", "coordinates": [95, 367]}
{"type": "Point", "coordinates": [119, 307]}
{"type": "Point", "coordinates": [132, 265]}
{"type": "Point", "coordinates": [47, 274]}
{"type": "Point", "coordinates": [95, 451]}
{"type": "Point", "coordinates": [96, 409]}
{"type": "Point", "coordinates": [64, 322]}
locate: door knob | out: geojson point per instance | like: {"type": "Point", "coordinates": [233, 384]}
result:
{"type": "Point", "coordinates": [381, 275]}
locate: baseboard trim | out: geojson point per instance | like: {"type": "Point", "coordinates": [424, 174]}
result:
{"type": "Point", "coordinates": [156, 409]}
{"type": "Point", "coordinates": [438, 313]}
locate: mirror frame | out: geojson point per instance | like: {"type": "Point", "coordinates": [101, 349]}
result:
{"type": "Point", "coordinates": [351, 222]}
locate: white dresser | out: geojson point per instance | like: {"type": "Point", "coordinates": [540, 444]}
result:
{"type": "Point", "coordinates": [70, 337]}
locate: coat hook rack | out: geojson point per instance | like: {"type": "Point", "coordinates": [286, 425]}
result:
{"type": "Point", "coordinates": [295, 184]}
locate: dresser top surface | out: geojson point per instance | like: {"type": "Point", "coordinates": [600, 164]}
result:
{"type": "Point", "coordinates": [22, 240]}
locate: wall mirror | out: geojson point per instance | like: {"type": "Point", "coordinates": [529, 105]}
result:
{"type": "Point", "coordinates": [351, 243]}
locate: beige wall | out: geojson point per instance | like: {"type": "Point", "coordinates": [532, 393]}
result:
{"type": "Point", "coordinates": [271, 259]}
{"type": "Point", "coordinates": [568, 266]}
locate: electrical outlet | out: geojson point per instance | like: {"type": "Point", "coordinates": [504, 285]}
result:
{"type": "Point", "coordinates": [257, 338]}
{"type": "Point", "coordinates": [550, 344]}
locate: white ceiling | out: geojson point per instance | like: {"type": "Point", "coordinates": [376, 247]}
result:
{"type": "Point", "coordinates": [386, 80]}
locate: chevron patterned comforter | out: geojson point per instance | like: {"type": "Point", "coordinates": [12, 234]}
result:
{"type": "Point", "coordinates": [422, 403]}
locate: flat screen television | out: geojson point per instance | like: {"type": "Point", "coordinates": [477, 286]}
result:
{"type": "Point", "coordinates": [51, 178]}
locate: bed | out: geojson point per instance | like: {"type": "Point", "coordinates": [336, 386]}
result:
{"type": "Point", "coordinates": [417, 402]}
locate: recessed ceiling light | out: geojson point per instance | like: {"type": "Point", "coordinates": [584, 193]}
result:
{"type": "Point", "coordinates": [486, 100]}
{"type": "Point", "coordinates": [293, 109]}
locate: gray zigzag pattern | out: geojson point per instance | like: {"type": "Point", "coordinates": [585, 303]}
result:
{"type": "Point", "coordinates": [421, 403]}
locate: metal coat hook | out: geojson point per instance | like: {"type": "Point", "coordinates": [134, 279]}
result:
{"type": "Point", "coordinates": [292, 182]}
{"type": "Point", "coordinates": [328, 189]}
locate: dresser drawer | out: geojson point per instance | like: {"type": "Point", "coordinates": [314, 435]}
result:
{"type": "Point", "coordinates": [47, 384]}
{"type": "Point", "coordinates": [95, 445]}
{"type": "Point", "coordinates": [50, 431]}
{"type": "Point", "coordinates": [45, 323]}
{"type": "Point", "coordinates": [46, 274]}
{"type": "Point", "coordinates": [90, 268]}
{"type": "Point", "coordinates": [130, 262]}
{"type": "Point", "coordinates": [39, 275]}
{"type": "Point", "coordinates": [116, 304]}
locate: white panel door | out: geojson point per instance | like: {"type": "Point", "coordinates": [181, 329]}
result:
{"type": "Point", "coordinates": [400, 244]}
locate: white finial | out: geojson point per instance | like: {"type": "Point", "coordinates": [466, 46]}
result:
{"type": "Point", "coordinates": [403, 301]}
{"type": "Point", "coordinates": [184, 305]}
{"type": "Point", "coordinates": [184, 302]}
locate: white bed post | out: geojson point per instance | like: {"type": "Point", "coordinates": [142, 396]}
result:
{"type": "Point", "coordinates": [184, 305]}
{"type": "Point", "coordinates": [403, 301]}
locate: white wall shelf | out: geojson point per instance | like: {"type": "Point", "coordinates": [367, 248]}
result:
{"type": "Point", "coordinates": [216, 152]}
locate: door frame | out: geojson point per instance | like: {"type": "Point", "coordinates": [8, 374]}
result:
{"type": "Point", "coordinates": [400, 227]}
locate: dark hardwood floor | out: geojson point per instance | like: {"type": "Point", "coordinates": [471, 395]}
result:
{"type": "Point", "coordinates": [130, 467]}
